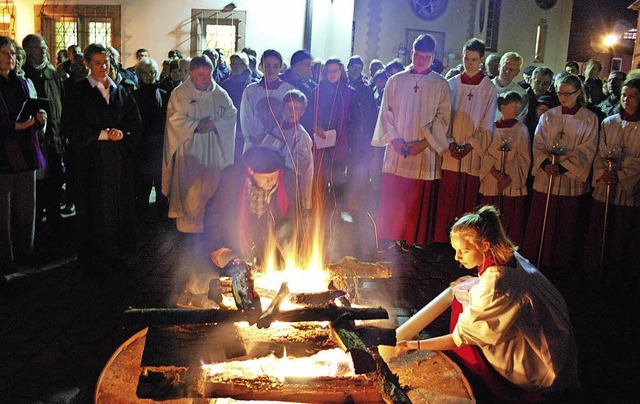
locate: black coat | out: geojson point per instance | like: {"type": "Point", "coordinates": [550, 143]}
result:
{"type": "Point", "coordinates": [105, 204]}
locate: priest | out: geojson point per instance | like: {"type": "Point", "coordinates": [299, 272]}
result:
{"type": "Point", "coordinates": [199, 144]}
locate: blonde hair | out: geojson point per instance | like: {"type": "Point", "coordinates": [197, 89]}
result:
{"type": "Point", "coordinates": [484, 225]}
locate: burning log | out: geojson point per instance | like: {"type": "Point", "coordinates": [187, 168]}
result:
{"type": "Point", "coordinates": [304, 390]}
{"type": "Point", "coordinates": [274, 308]}
{"type": "Point", "coordinates": [332, 313]}
{"type": "Point", "coordinates": [178, 316]}
{"type": "Point", "coordinates": [317, 298]}
{"type": "Point", "coordinates": [349, 273]}
{"type": "Point", "coordinates": [350, 267]}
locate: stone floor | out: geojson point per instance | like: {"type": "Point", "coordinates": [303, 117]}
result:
{"type": "Point", "coordinates": [59, 326]}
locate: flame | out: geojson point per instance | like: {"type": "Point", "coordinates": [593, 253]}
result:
{"type": "Point", "coordinates": [328, 363]}
{"type": "Point", "coordinates": [303, 258]}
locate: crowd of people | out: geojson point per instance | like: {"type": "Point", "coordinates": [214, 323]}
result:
{"type": "Point", "coordinates": [551, 151]}
{"type": "Point", "coordinates": [243, 155]}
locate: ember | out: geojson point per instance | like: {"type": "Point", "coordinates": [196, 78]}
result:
{"type": "Point", "coordinates": [333, 362]}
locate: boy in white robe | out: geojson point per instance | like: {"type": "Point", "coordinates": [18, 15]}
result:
{"type": "Point", "coordinates": [412, 126]}
{"type": "Point", "coordinates": [295, 144]}
{"type": "Point", "coordinates": [473, 109]}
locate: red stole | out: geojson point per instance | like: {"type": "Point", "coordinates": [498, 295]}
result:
{"type": "Point", "coordinates": [570, 111]}
{"type": "Point", "coordinates": [627, 117]}
{"type": "Point", "coordinates": [505, 123]}
{"type": "Point", "coordinates": [472, 81]}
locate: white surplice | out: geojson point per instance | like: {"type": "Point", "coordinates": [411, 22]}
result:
{"type": "Point", "coordinates": [261, 110]}
{"type": "Point", "coordinates": [577, 137]}
{"type": "Point", "coordinates": [193, 162]}
{"type": "Point", "coordinates": [414, 107]}
{"type": "Point", "coordinates": [521, 323]}
{"type": "Point", "coordinates": [517, 161]}
{"type": "Point", "coordinates": [619, 139]}
{"type": "Point", "coordinates": [473, 109]}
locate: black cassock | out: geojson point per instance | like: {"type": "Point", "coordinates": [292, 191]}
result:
{"type": "Point", "coordinates": [105, 187]}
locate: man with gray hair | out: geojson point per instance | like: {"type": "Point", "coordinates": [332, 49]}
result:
{"type": "Point", "coordinates": [541, 82]}
{"type": "Point", "coordinates": [509, 68]}
{"type": "Point", "coordinates": [199, 143]}
{"type": "Point", "coordinates": [48, 84]}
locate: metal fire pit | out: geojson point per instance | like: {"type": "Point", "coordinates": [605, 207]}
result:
{"type": "Point", "coordinates": [429, 376]}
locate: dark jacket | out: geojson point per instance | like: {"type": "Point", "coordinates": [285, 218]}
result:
{"type": "Point", "coordinates": [105, 202]}
{"type": "Point", "coordinates": [19, 150]}
{"type": "Point", "coordinates": [53, 90]}
{"type": "Point", "coordinates": [363, 114]}
{"type": "Point", "coordinates": [331, 105]}
{"type": "Point", "coordinates": [152, 104]}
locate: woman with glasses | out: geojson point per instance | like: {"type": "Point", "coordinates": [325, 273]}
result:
{"type": "Point", "coordinates": [20, 157]}
{"type": "Point", "coordinates": [564, 146]}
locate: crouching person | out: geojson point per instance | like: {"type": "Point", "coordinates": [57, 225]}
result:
{"type": "Point", "coordinates": [252, 213]}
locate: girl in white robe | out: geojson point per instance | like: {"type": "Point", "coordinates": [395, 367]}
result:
{"type": "Point", "coordinates": [512, 324]}
{"type": "Point", "coordinates": [564, 147]}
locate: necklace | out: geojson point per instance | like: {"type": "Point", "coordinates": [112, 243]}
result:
{"type": "Point", "coordinates": [470, 95]}
{"type": "Point", "coordinates": [416, 87]}
{"type": "Point", "coordinates": [561, 133]}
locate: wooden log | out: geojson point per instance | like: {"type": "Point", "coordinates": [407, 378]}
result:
{"type": "Point", "coordinates": [274, 308]}
{"type": "Point", "coordinates": [386, 381]}
{"type": "Point", "coordinates": [176, 316]}
{"type": "Point", "coordinates": [374, 336]}
{"type": "Point", "coordinates": [300, 390]}
{"type": "Point", "coordinates": [342, 332]}
{"type": "Point", "coordinates": [351, 267]}
{"type": "Point", "coordinates": [332, 313]}
{"type": "Point", "coordinates": [317, 298]}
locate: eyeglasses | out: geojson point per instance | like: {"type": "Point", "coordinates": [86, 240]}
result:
{"type": "Point", "coordinates": [8, 54]}
{"type": "Point", "coordinates": [567, 94]}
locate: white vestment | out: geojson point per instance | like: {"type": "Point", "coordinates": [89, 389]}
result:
{"type": "Point", "coordinates": [620, 140]}
{"type": "Point", "coordinates": [577, 137]}
{"type": "Point", "coordinates": [414, 107]}
{"type": "Point", "coordinates": [193, 162]}
{"type": "Point", "coordinates": [473, 109]}
{"type": "Point", "coordinates": [517, 161]}
{"type": "Point", "coordinates": [521, 323]}
{"type": "Point", "coordinates": [515, 87]}
{"type": "Point", "coordinates": [260, 114]}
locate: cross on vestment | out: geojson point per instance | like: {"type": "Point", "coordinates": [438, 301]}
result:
{"type": "Point", "coordinates": [470, 95]}
{"type": "Point", "coordinates": [415, 88]}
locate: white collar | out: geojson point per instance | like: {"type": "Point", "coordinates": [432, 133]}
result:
{"type": "Point", "coordinates": [95, 82]}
